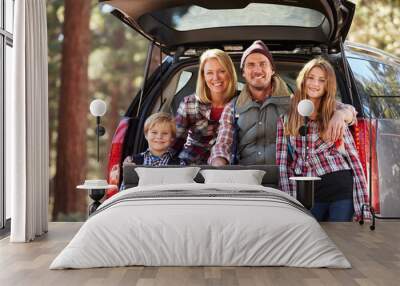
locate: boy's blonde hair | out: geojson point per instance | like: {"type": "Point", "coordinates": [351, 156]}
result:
{"type": "Point", "coordinates": [159, 118]}
{"type": "Point", "coordinates": [203, 93]}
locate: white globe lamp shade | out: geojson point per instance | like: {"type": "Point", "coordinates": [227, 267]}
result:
{"type": "Point", "coordinates": [98, 107]}
{"type": "Point", "coordinates": [305, 107]}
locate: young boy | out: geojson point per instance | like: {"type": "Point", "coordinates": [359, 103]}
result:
{"type": "Point", "coordinates": [159, 130]}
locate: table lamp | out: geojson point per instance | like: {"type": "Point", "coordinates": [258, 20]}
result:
{"type": "Point", "coordinates": [98, 108]}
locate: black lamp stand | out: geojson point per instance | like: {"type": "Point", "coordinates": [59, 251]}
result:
{"type": "Point", "coordinates": [100, 131]}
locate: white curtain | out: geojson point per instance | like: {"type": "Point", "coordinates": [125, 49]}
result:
{"type": "Point", "coordinates": [27, 143]}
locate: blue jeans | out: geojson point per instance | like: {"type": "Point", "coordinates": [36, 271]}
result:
{"type": "Point", "coordinates": [341, 210]}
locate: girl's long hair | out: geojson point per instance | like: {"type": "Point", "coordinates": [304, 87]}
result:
{"type": "Point", "coordinates": [327, 105]}
{"type": "Point", "coordinates": [203, 93]}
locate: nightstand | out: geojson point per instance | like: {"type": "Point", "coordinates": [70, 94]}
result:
{"type": "Point", "coordinates": [96, 191]}
{"type": "Point", "coordinates": [305, 190]}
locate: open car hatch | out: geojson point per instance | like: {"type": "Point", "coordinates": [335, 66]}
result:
{"type": "Point", "coordinates": [283, 25]}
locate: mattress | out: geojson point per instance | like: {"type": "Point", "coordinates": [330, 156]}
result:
{"type": "Point", "coordinates": [201, 225]}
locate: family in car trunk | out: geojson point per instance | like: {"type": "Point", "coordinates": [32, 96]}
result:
{"type": "Point", "coordinates": [227, 78]}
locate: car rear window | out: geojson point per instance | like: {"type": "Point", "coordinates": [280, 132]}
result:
{"type": "Point", "coordinates": [185, 18]}
{"type": "Point", "coordinates": [187, 77]}
{"type": "Point", "coordinates": [183, 83]}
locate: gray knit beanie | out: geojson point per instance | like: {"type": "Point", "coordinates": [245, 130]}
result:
{"type": "Point", "coordinates": [257, 47]}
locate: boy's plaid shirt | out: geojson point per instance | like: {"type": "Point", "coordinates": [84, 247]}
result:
{"type": "Point", "coordinates": [195, 132]}
{"type": "Point", "coordinates": [322, 158]}
{"type": "Point", "coordinates": [151, 160]}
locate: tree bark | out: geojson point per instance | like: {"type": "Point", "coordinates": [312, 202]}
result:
{"type": "Point", "coordinates": [73, 110]}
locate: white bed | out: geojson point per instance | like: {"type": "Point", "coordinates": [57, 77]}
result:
{"type": "Point", "coordinates": [201, 224]}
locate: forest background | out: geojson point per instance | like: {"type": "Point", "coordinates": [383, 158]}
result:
{"type": "Point", "coordinates": [93, 55]}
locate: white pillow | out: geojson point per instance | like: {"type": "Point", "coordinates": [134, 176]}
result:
{"type": "Point", "coordinates": [166, 176]}
{"type": "Point", "coordinates": [248, 177]}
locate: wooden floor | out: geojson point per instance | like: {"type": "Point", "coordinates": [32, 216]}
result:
{"type": "Point", "coordinates": [374, 255]}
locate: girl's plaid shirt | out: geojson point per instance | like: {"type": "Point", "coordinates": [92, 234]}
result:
{"type": "Point", "coordinates": [195, 131]}
{"type": "Point", "coordinates": [322, 158]}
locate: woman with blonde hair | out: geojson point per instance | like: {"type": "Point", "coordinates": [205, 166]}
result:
{"type": "Point", "coordinates": [342, 190]}
{"type": "Point", "coordinates": [198, 115]}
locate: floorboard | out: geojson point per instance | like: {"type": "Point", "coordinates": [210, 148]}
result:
{"type": "Point", "coordinates": [374, 255]}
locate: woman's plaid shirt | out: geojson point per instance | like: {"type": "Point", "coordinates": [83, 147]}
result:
{"type": "Point", "coordinates": [322, 158]}
{"type": "Point", "coordinates": [195, 131]}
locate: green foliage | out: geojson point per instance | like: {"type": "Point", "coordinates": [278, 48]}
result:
{"type": "Point", "coordinates": [377, 23]}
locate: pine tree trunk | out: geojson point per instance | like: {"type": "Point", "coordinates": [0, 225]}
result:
{"type": "Point", "coordinates": [73, 110]}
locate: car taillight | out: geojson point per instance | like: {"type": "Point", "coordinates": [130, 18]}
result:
{"type": "Point", "coordinates": [114, 157]}
{"type": "Point", "coordinates": [364, 134]}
